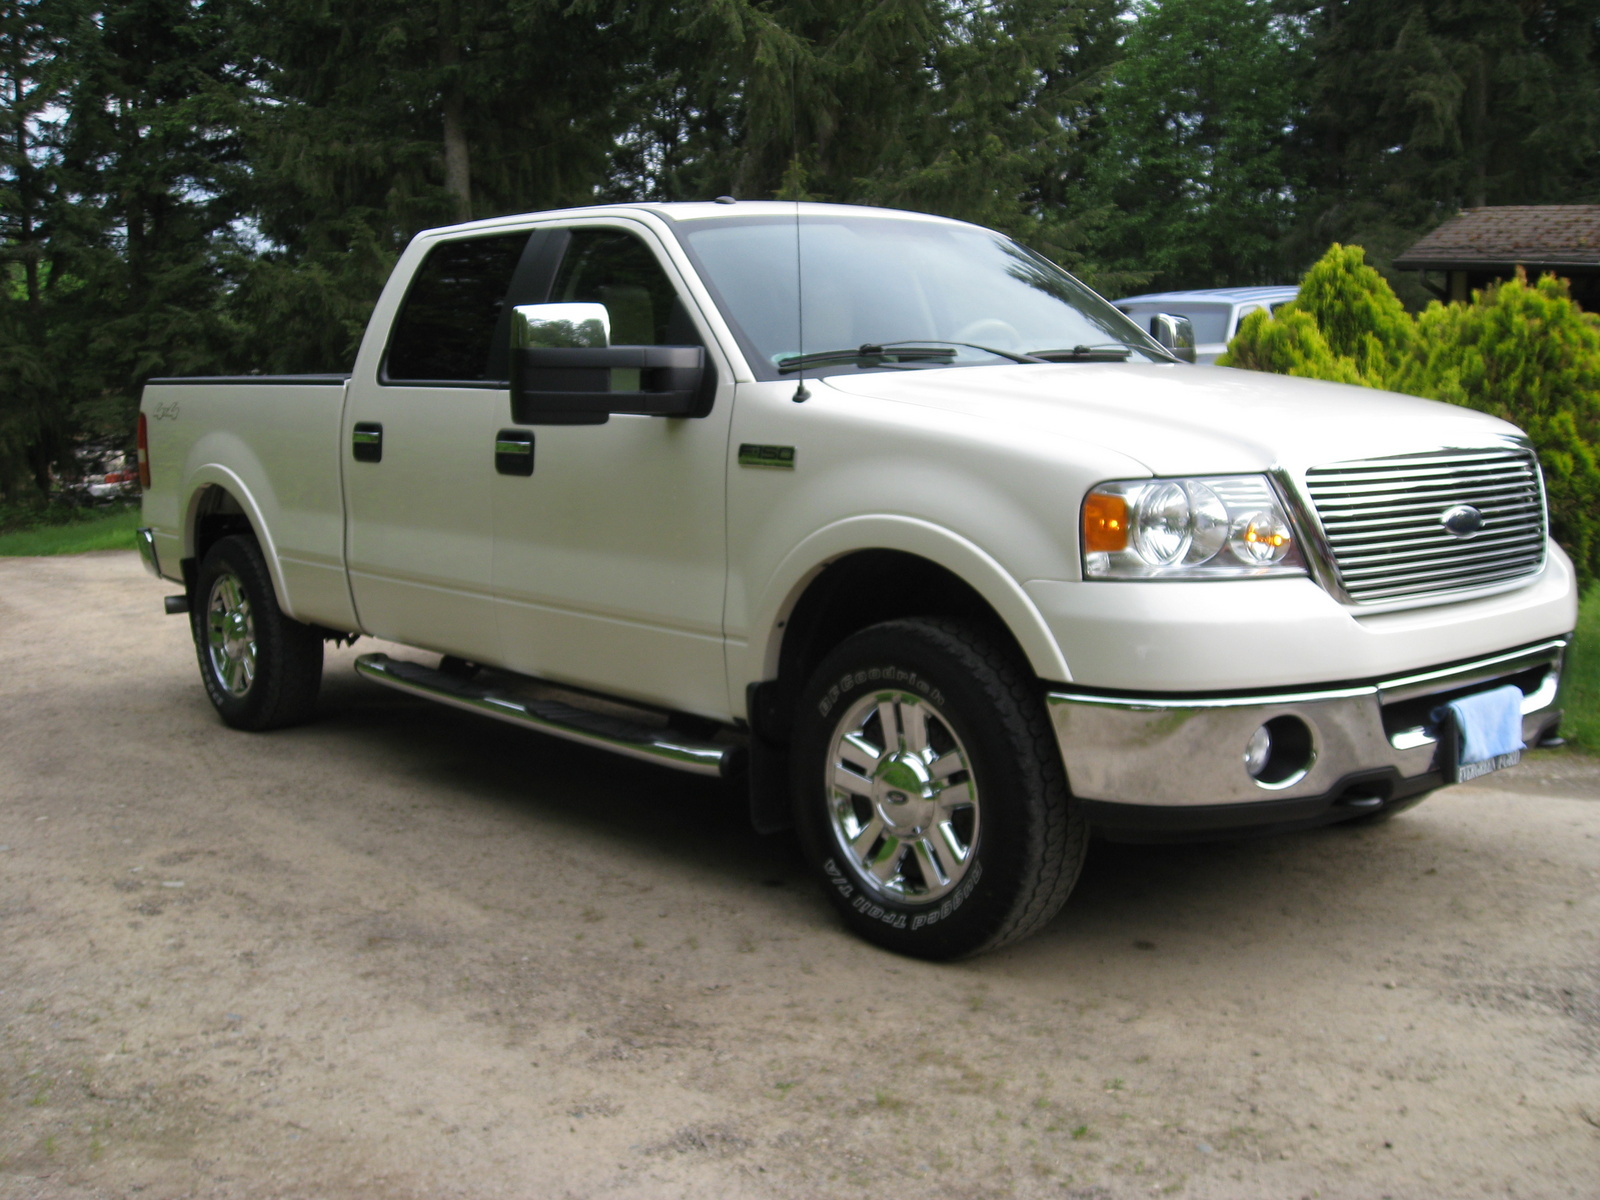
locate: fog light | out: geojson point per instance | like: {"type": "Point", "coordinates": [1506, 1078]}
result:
{"type": "Point", "coordinates": [1257, 752]}
{"type": "Point", "coordinates": [1280, 753]}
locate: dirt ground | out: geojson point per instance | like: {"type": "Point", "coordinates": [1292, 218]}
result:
{"type": "Point", "coordinates": [406, 952]}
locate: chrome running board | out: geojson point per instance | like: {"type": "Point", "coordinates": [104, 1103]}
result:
{"type": "Point", "coordinates": [634, 738]}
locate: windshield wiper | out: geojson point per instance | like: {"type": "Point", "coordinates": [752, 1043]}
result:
{"type": "Point", "coordinates": [879, 353]}
{"type": "Point", "coordinates": [1099, 352]}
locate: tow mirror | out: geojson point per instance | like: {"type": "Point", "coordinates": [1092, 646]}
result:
{"type": "Point", "coordinates": [560, 327]}
{"type": "Point", "coordinates": [564, 370]}
{"type": "Point", "coordinates": [1175, 333]}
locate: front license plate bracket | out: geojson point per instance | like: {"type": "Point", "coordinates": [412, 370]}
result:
{"type": "Point", "coordinates": [1448, 761]}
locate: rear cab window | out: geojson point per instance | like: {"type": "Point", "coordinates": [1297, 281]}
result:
{"type": "Point", "coordinates": [454, 311]}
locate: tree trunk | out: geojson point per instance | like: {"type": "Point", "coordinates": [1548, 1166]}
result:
{"type": "Point", "coordinates": [1478, 131]}
{"type": "Point", "coordinates": [457, 159]}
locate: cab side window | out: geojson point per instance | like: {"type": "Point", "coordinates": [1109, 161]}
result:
{"type": "Point", "coordinates": [446, 327]}
{"type": "Point", "coordinates": [610, 267]}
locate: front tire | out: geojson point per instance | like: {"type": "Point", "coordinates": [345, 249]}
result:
{"type": "Point", "coordinates": [929, 791]}
{"type": "Point", "coordinates": [261, 668]}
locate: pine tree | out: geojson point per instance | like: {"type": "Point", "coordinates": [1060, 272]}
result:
{"type": "Point", "coordinates": [1417, 108]}
{"type": "Point", "coordinates": [1193, 151]}
{"type": "Point", "coordinates": [34, 426]}
{"type": "Point", "coordinates": [965, 110]}
{"type": "Point", "coordinates": [121, 171]}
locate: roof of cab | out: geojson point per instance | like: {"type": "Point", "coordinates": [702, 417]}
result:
{"type": "Point", "coordinates": [699, 210]}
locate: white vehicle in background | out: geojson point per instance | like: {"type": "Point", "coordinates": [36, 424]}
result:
{"type": "Point", "coordinates": [1215, 314]}
{"type": "Point", "coordinates": [962, 566]}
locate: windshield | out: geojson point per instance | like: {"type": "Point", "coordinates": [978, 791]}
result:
{"type": "Point", "coordinates": [876, 282]}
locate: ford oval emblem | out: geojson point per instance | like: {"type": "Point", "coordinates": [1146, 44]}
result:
{"type": "Point", "coordinates": [1462, 521]}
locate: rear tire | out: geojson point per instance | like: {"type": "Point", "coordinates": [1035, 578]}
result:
{"type": "Point", "coordinates": [929, 791]}
{"type": "Point", "coordinates": [261, 669]}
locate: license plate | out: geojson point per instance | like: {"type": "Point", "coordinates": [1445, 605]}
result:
{"type": "Point", "coordinates": [1465, 772]}
{"type": "Point", "coordinates": [1454, 744]}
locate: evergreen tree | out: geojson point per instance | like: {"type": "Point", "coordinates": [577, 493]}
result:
{"type": "Point", "coordinates": [1524, 352]}
{"type": "Point", "coordinates": [1417, 108]}
{"type": "Point", "coordinates": [34, 430]}
{"type": "Point", "coordinates": [1193, 154]}
{"type": "Point", "coordinates": [121, 169]}
{"type": "Point", "coordinates": [965, 110]}
{"type": "Point", "coordinates": [373, 119]}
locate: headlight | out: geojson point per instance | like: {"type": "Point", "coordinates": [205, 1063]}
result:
{"type": "Point", "coordinates": [1218, 527]}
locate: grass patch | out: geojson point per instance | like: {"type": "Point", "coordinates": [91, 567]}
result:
{"type": "Point", "coordinates": [91, 529]}
{"type": "Point", "coordinates": [1581, 694]}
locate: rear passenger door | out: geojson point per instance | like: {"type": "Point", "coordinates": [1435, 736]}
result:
{"type": "Point", "coordinates": [419, 453]}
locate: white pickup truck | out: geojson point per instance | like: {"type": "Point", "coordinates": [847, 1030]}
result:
{"type": "Point", "coordinates": [884, 513]}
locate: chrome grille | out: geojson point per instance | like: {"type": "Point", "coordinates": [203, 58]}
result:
{"type": "Point", "coordinates": [1384, 521]}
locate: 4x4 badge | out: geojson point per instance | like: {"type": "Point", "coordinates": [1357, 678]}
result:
{"type": "Point", "coordinates": [752, 455]}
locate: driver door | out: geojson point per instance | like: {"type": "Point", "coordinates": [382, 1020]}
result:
{"type": "Point", "coordinates": [609, 556]}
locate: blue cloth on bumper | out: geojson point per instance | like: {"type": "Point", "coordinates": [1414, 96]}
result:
{"type": "Point", "coordinates": [1490, 722]}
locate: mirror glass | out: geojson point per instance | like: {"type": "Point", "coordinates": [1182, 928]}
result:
{"type": "Point", "coordinates": [560, 327]}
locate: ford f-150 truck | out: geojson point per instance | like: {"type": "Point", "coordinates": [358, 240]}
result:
{"type": "Point", "coordinates": [885, 514]}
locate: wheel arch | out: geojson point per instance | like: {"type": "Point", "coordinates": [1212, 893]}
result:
{"type": "Point", "coordinates": [219, 505]}
{"type": "Point", "coordinates": [867, 570]}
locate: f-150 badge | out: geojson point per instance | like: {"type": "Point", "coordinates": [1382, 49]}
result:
{"type": "Point", "coordinates": [752, 455]}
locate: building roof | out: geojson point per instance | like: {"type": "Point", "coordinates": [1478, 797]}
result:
{"type": "Point", "coordinates": [1544, 235]}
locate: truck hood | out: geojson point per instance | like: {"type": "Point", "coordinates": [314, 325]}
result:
{"type": "Point", "coordinates": [1184, 420]}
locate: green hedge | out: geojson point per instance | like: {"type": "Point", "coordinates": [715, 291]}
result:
{"type": "Point", "coordinates": [1522, 351]}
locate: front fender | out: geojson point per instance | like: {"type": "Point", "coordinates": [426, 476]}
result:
{"type": "Point", "coordinates": [910, 535]}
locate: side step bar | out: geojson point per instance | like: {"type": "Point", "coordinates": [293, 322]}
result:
{"type": "Point", "coordinates": [636, 739]}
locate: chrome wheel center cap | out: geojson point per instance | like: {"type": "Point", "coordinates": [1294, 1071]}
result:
{"type": "Point", "coordinates": [903, 794]}
{"type": "Point", "coordinates": [236, 637]}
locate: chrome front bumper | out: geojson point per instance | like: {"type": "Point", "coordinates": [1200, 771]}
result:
{"type": "Point", "coordinates": [1375, 741]}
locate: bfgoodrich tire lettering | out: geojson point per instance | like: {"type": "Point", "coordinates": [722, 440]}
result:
{"type": "Point", "coordinates": [929, 792]}
{"type": "Point", "coordinates": [261, 669]}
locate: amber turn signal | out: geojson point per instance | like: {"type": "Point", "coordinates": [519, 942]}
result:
{"type": "Point", "coordinates": [1105, 523]}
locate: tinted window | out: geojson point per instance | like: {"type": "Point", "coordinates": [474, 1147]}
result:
{"type": "Point", "coordinates": [607, 266]}
{"type": "Point", "coordinates": [447, 324]}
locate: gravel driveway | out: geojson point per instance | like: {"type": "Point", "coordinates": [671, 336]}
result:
{"type": "Point", "coordinates": [406, 952]}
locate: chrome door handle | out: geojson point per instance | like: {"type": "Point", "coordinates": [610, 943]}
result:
{"type": "Point", "coordinates": [513, 452]}
{"type": "Point", "coordinates": [366, 442]}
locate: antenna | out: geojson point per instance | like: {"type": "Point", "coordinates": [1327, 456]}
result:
{"type": "Point", "coordinates": [801, 395]}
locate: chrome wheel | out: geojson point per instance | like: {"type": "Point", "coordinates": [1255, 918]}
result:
{"type": "Point", "coordinates": [901, 797]}
{"type": "Point", "coordinates": [231, 634]}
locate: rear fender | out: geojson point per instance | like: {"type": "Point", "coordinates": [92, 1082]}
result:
{"type": "Point", "coordinates": [216, 475]}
